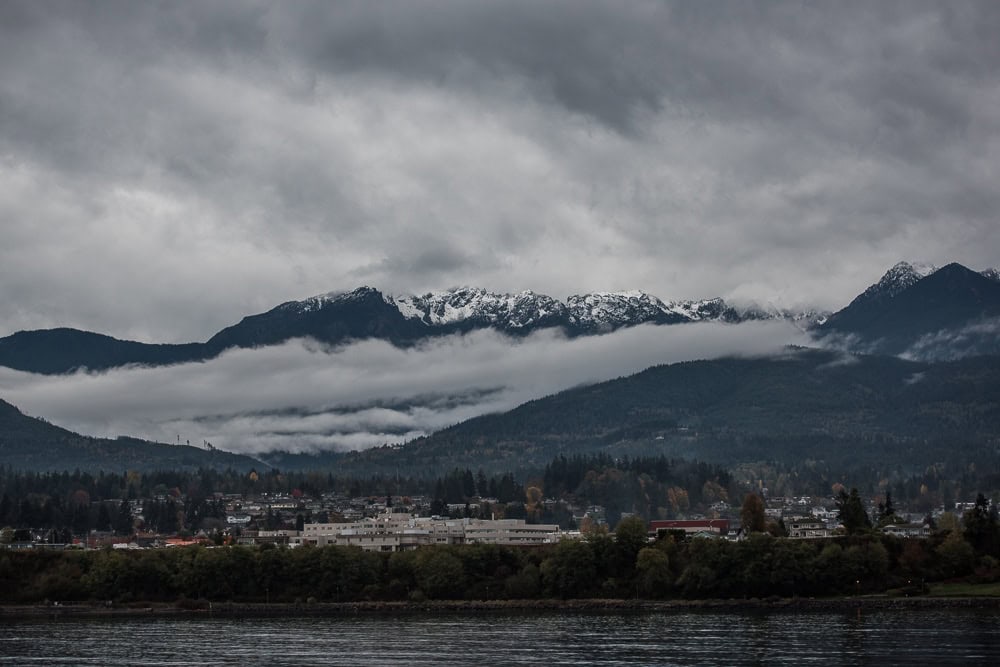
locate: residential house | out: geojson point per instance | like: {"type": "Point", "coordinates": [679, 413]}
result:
{"type": "Point", "coordinates": [805, 527]}
{"type": "Point", "coordinates": [689, 526]}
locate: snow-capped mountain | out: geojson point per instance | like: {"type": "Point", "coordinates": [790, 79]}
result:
{"type": "Point", "coordinates": [479, 307]}
{"type": "Point", "coordinates": [404, 319]}
{"type": "Point", "coordinates": [580, 314]}
{"type": "Point", "coordinates": [898, 278]}
{"type": "Point", "coordinates": [919, 312]}
{"type": "Point", "coordinates": [606, 310]}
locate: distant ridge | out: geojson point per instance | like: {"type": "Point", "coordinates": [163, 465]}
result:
{"type": "Point", "coordinates": [29, 443]}
{"type": "Point", "coordinates": [54, 351]}
{"type": "Point", "coordinates": [847, 410]}
{"type": "Point", "coordinates": [945, 314]}
{"type": "Point", "coordinates": [367, 313]}
{"type": "Point", "coordinates": [889, 317]}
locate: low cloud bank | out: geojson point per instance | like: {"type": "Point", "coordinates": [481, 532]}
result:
{"type": "Point", "coordinates": [302, 396]}
{"type": "Point", "coordinates": [982, 337]}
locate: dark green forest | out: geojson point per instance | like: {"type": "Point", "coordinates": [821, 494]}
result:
{"type": "Point", "coordinates": [78, 502]}
{"type": "Point", "coordinates": [31, 443]}
{"type": "Point", "coordinates": [649, 487]}
{"type": "Point", "coordinates": [850, 412]}
{"type": "Point", "coordinates": [622, 565]}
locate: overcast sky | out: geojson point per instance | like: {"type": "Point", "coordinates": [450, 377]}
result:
{"type": "Point", "coordinates": [167, 168]}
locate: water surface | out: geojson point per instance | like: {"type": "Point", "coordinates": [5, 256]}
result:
{"type": "Point", "coordinates": [884, 637]}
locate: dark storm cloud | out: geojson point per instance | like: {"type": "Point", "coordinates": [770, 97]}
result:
{"type": "Point", "coordinates": [580, 55]}
{"type": "Point", "coordinates": [166, 168]}
{"type": "Point", "coordinates": [430, 260]}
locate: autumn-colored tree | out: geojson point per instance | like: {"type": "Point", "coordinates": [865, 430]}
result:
{"type": "Point", "coordinates": [712, 491]}
{"type": "Point", "coordinates": [752, 515]}
{"type": "Point", "coordinates": [678, 499]}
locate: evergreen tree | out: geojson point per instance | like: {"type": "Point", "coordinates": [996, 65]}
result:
{"type": "Point", "coordinates": [851, 512]}
{"type": "Point", "coordinates": [123, 519]}
{"type": "Point", "coordinates": [886, 510]}
{"type": "Point", "coordinates": [982, 529]}
{"type": "Point", "coordinates": [103, 518]}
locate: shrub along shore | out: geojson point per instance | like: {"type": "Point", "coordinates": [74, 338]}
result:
{"type": "Point", "coordinates": [608, 568]}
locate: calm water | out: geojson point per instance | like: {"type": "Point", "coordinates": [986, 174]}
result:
{"type": "Point", "coordinates": [917, 637]}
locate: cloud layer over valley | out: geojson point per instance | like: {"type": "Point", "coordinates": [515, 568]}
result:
{"type": "Point", "coordinates": [302, 397]}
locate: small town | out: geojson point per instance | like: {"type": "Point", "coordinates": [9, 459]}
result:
{"type": "Point", "coordinates": [398, 523]}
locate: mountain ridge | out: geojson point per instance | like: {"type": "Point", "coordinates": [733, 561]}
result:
{"type": "Point", "coordinates": [335, 318]}
{"type": "Point", "coordinates": [903, 309]}
{"type": "Point", "coordinates": [31, 443]}
{"type": "Point", "coordinates": [338, 317]}
{"type": "Point", "coordinates": [805, 404]}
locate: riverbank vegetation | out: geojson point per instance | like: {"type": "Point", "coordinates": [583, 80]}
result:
{"type": "Point", "coordinates": [622, 565]}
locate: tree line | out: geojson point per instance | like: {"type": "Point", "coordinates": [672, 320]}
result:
{"type": "Point", "coordinates": [69, 503]}
{"type": "Point", "coordinates": [619, 565]}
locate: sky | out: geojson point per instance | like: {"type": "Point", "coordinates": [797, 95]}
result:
{"type": "Point", "coordinates": [168, 168]}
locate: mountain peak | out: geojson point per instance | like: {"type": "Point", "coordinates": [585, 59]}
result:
{"type": "Point", "coordinates": [933, 317]}
{"type": "Point", "coordinates": [907, 273]}
{"type": "Point", "coordinates": [322, 300]}
{"type": "Point", "coordinates": [611, 310]}
{"type": "Point", "coordinates": [477, 306]}
{"type": "Point", "coordinates": [955, 271]}
{"type": "Point", "coordinates": [897, 279]}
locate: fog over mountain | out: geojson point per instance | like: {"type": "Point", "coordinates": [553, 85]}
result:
{"type": "Point", "coordinates": [360, 369]}
{"type": "Point", "coordinates": [300, 396]}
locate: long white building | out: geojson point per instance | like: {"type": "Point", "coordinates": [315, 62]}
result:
{"type": "Point", "coordinates": [402, 531]}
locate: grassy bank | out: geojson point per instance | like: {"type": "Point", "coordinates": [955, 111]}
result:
{"type": "Point", "coordinates": [962, 589]}
{"type": "Point", "coordinates": [977, 598]}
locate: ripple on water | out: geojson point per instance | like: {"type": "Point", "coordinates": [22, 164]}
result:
{"type": "Point", "coordinates": [549, 639]}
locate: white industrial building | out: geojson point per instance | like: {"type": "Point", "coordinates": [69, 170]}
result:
{"type": "Point", "coordinates": [402, 531]}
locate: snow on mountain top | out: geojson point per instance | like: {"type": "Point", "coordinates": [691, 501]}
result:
{"type": "Point", "coordinates": [898, 278]}
{"type": "Point", "coordinates": [614, 308]}
{"type": "Point", "coordinates": [627, 294]}
{"type": "Point", "coordinates": [907, 273]}
{"type": "Point", "coordinates": [992, 273]}
{"type": "Point", "coordinates": [321, 300]}
{"type": "Point", "coordinates": [704, 309]}
{"type": "Point", "coordinates": [922, 269]}
{"type": "Point", "coordinates": [474, 303]}
{"type": "Point", "coordinates": [525, 311]}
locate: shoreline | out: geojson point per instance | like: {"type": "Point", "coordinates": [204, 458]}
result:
{"type": "Point", "coordinates": [282, 609]}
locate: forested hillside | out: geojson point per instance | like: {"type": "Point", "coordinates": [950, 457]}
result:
{"type": "Point", "coordinates": [810, 404]}
{"type": "Point", "coordinates": [29, 443]}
